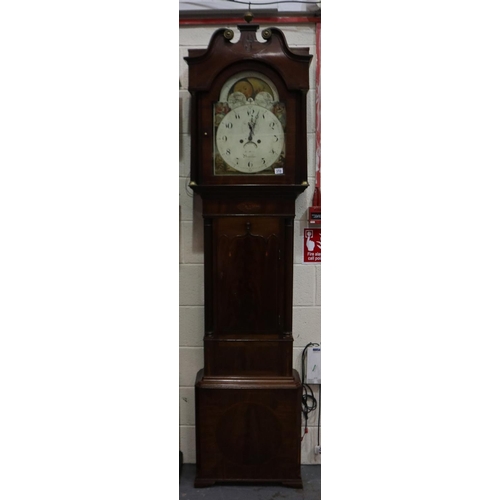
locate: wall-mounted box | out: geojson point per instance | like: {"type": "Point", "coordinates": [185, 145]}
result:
{"type": "Point", "coordinates": [315, 215]}
{"type": "Point", "coordinates": [313, 371]}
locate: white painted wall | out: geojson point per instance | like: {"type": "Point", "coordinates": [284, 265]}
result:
{"type": "Point", "coordinates": [217, 7]}
{"type": "Point", "coordinates": [307, 277]}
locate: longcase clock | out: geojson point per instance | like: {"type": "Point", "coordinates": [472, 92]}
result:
{"type": "Point", "coordinates": [248, 164]}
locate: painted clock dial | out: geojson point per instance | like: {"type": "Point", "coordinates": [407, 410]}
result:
{"type": "Point", "coordinates": [250, 138]}
{"type": "Point", "coordinates": [249, 127]}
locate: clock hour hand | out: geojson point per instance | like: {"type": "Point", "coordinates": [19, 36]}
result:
{"type": "Point", "coordinates": [251, 125]}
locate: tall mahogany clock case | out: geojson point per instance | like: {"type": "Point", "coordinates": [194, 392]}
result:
{"type": "Point", "coordinates": [248, 164]}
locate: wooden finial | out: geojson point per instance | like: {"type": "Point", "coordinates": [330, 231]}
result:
{"type": "Point", "coordinates": [248, 14]}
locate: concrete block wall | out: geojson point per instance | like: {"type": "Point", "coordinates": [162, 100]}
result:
{"type": "Point", "coordinates": [307, 277]}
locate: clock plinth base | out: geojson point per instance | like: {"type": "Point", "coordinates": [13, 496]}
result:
{"type": "Point", "coordinates": [203, 483]}
{"type": "Point", "coordinates": [293, 483]}
{"type": "Point", "coordinates": [248, 430]}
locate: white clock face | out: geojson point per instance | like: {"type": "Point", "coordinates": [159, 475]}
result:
{"type": "Point", "coordinates": [250, 138]}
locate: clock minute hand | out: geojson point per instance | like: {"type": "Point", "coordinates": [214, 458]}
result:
{"type": "Point", "coordinates": [251, 125]}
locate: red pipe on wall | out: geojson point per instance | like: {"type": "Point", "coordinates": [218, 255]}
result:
{"type": "Point", "coordinates": [317, 190]}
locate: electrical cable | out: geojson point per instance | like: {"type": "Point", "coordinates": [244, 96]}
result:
{"type": "Point", "coordinates": [319, 413]}
{"type": "Point", "coordinates": [307, 392]}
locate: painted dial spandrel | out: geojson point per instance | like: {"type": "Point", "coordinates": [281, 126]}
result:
{"type": "Point", "coordinates": [250, 138]}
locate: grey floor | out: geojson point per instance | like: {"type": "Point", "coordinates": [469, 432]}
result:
{"type": "Point", "coordinates": [311, 479]}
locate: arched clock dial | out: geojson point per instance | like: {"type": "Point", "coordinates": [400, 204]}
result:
{"type": "Point", "coordinates": [250, 138]}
